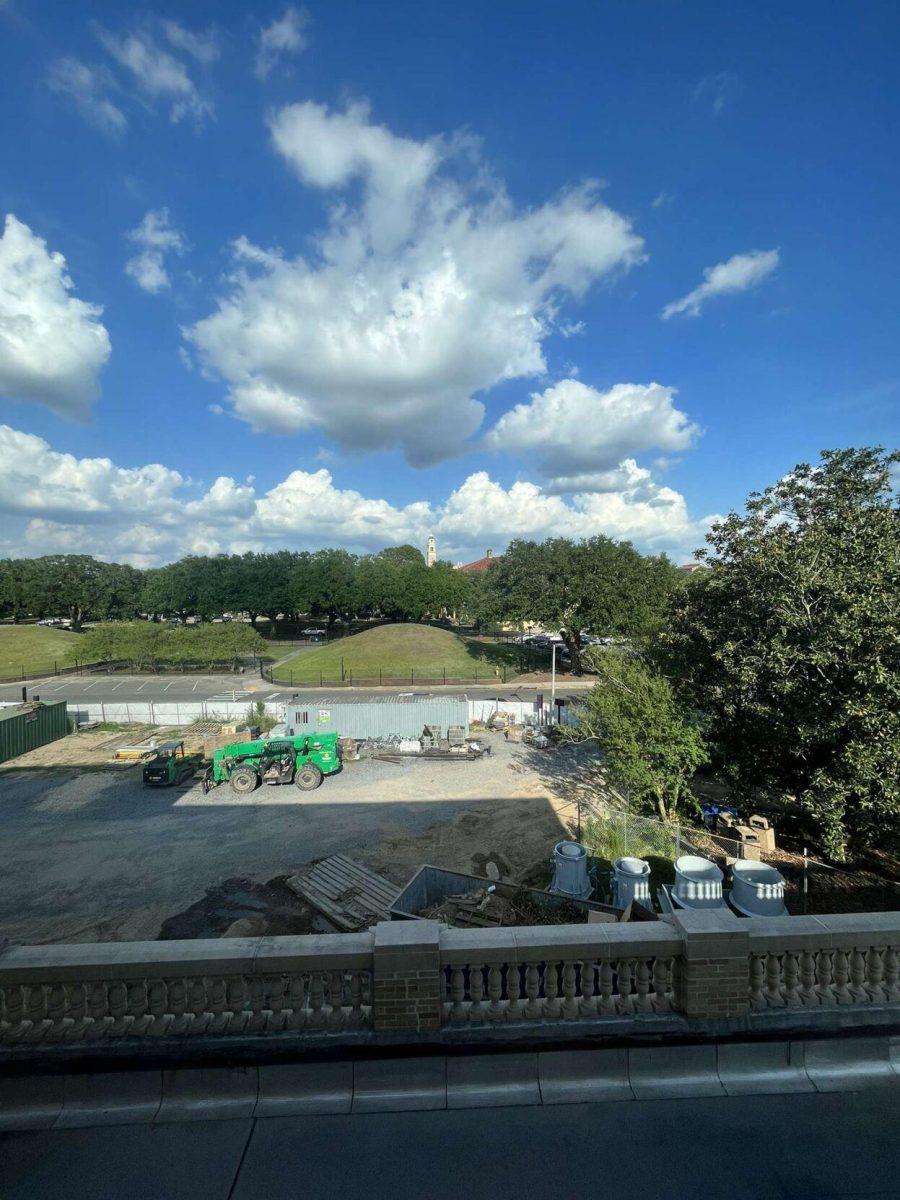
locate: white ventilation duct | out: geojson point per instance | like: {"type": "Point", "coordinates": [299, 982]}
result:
{"type": "Point", "coordinates": [631, 881]}
{"type": "Point", "coordinates": [698, 883]}
{"type": "Point", "coordinates": [757, 890]}
{"type": "Point", "coordinates": [570, 877]}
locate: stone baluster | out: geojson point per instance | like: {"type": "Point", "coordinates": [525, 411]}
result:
{"type": "Point", "coordinates": [587, 1004]}
{"type": "Point", "coordinates": [36, 1012]}
{"type": "Point", "coordinates": [791, 977]}
{"type": "Point", "coordinates": [825, 978]}
{"type": "Point", "coordinates": [495, 1010]}
{"type": "Point", "coordinates": [642, 986]}
{"type": "Point", "coordinates": [317, 1014]}
{"type": "Point", "coordinates": [197, 1006]}
{"type": "Point", "coordinates": [875, 975]}
{"type": "Point", "coordinates": [356, 1018]}
{"type": "Point", "coordinates": [606, 999]}
{"type": "Point", "coordinates": [661, 968]}
{"type": "Point", "coordinates": [624, 977]}
{"type": "Point", "coordinates": [515, 1004]}
{"type": "Point", "coordinates": [276, 1006]}
{"type": "Point", "coordinates": [77, 1007]}
{"type": "Point", "coordinates": [57, 1013]}
{"type": "Point", "coordinates": [552, 1006]}
{"type": "Point", "coordinates": [13, 1013]}
{"type": "Point", "coordinates": [158, 1008]}
{"type": "Point", "coordinates": [809, 997]}
{"type": "Point", "coordinates": [458, 1011]}
{"type": "Point", "coordinates": [337, 1017]}
{"type": "Point", "coordinates": [757, 981]}
{"type": "Point", "coordinates": [121, 1022]}
{"type": "Point", "coordinates": [477, 1007]}
{"type": "Point", "coordinates": [774, 997]}
{"type": "Point", "coordinates": [533, 1006]}
{"type": "Point", "coordinates": [858, 976]}
{"type": "Point", "coordinates": [217, 1000]}
{"type": "Point", "coordinates": [891, 973]}
{"type": "Point", "coordinates": [296, 1001]}
{"type": "Point", "coordinates": [569, 1004]}
{"type": "Point", "coordinates": [256, 1003]}
{"type": "Point", "coordinates": [236, 1003]}
{"type": "Point", "coordinates": [98, 1009]}
{"type": "Point", "coordinates": [841, 976]}
{"type": "Point", "coordinates": [178, 1007]}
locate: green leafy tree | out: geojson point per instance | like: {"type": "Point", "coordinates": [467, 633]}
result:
{"type": "Point", "coordinates": [791, 643]}
{"type": "Point", "coordinates": [596, 585]}
{"type": "Point", "coordinates": [327, 585]}
{"type": "Point", "coordinates": [652, 746]}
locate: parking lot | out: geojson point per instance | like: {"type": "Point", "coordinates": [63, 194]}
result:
{"type": "Point", "coordinates": [93, 855]}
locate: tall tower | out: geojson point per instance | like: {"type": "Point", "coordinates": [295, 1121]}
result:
{"type": "Point", "coordinates": [431, 552]}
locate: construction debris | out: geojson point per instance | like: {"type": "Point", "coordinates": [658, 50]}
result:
{"type": "Point", "coordinates": [486, 907]}
{"type": "Point", "coordinates": [350, 896]}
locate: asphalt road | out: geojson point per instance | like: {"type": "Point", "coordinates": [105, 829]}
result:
{"type": "Point", "coordinates": [798, 1147]}
{"type": "Point", "coordinates": [128, 688]}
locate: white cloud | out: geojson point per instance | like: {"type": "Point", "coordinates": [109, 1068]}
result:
{"type": "Point", "coordinates": [717, 91]}
{"type": "Point", "coordinates": [429, 289]}
{"type": "Point", "coordinates": [87, 86]}
{"type": "Point", "coordinates": [203, 46]}
{"type": "Point", "coordinates": [158, 74]}
{"type": "Point", "coordinates": [151, 514]}
{"type": "Point", "coordinates": [156, 237]}
{"type": "Point", "coordinates": [577, 435]}
{"type": "Point", "coordinates": [738, 274]}
{"type": "Point", "coordinates": [285, 35]}
{"type": "Point", "coordinates": [53, 346]}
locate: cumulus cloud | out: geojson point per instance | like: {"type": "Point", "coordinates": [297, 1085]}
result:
{"type": "Point", "coordinates": [158, 75]}
{"type": "Point", "coordinates": [285, 35]}
{"type": "Point", "coordinates": [151, 514]}
{"type": "Point", "coordinates": [88, 87]}
{"type": "Point", "coordinates": [155, 237]}
{"type": "Point", "coordinates": [53, 346]}
{"type": "Point", "coordinates": [578, 435]}
{"type": "Point", "coordinates": [427, 287]}
{"type": "Point", "coordinates": [717, 91]}
{"type": "Point", "coordinates": [740, 273]}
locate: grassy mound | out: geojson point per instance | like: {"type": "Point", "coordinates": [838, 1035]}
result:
{"type": "Point", "coordinates": [401, 654]}
{"type": "Point", "coordinates": [35, 649]}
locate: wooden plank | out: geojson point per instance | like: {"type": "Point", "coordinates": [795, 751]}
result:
{"type": "Point", "coordinates": [349, 895]}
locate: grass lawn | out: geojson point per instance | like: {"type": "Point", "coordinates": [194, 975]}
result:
{"type": "Point", "coordinates": [35, 648]}
{"type": "Point", "coordinates": [402, 653]}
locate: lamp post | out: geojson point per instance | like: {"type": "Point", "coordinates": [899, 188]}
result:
{"type": "Point", "coordinates": [553, 683]}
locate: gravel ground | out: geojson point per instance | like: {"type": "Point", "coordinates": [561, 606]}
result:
{"type": "Point", "coordinates": [92, 855]}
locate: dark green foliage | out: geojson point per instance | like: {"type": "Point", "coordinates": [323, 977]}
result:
{"type": "Point", "coordinates": [791, 644]}
{"type": "Point", "coordinates": [146, 645]}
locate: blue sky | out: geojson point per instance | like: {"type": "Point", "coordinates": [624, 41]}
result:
{"type": "Point", "coordinates": [368, 272]}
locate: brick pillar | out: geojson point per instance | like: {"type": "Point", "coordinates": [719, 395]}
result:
{"type": "Point", "coordinates": [714, 983]}
{"type": "Point", "coordinates": [407, 976]}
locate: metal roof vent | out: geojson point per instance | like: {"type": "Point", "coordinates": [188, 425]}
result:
{"type": "Point", "coordinates": [757, 890]}
{"type": "Point", "coordinates": [631, 881]}
{"type": "Point", "coordinates": [698, 882]}
{"type": "Point", "coordinates": [570, 877]}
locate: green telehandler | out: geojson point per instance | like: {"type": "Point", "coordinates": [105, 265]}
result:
{"type": "Point", "coordinates": [302, 760]}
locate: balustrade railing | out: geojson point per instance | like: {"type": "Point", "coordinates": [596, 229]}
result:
{"type": "Point", "coordinates": [542, 978]}
{"type": "Point", "coordinates": [817, 976]}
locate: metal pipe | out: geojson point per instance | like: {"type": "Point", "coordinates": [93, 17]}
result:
{"type": "Point", "coordinates": [553, 685]}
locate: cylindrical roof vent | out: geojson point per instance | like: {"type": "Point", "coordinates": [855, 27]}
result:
{"type": "Point", "coordinates": [631, 881]}
{"type": "Point", "coordinates": [570, 877]}
{"type": "Point", "coordinates": [757, 889]}
{"type": "Point", "coordinates": [698, 882]}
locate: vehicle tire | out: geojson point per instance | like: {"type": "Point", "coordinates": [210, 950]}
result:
{"type": "Point", "coordinates": [308, 777]}
{"type": "Point", "coordinates": [244, 780]}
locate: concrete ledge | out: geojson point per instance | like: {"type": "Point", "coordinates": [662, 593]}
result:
{"type": "Point", "coordinates": [584, 1076]}
{"type": "Point", "coordinates": [664, 1072]}
{"type": "Point", "coordinates": [208, 1094]}
{"type": "Point", "coordinates": [30, 1101]}
{"type": "Point", "coordinates": [399, 1085]}
{"type": "Point", "coordinates": [294, 1089]}
{"type": "Point", "coordinates": [113, 1098]}
{"type": "Point", "coordinates": [492, 1080]}
{"type": "Point", "coordinates": [762, 1068]}
{"type": "Point", "coordinates": [848, 1064]}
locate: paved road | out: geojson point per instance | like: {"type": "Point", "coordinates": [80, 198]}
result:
{"type": "Point", "coordinates": [799, 1147]}
{"type": "Point", "coordinates": [129, 688]}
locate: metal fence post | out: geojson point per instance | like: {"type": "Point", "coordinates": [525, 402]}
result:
{"type": "Point", "coordinates": [445, 674]}
{"type": "Point", "coordinates": [379, 676]}
{"type": "Point", "coordinates": [625, 829]}
{"type": "Point", "coordinates": [678, 841]}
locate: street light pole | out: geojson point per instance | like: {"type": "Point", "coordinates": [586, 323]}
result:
{"type": "Point", "coordinates": [553, 684]}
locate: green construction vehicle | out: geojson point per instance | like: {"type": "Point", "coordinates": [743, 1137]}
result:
{"type": "Point", "coordinates": [301, 760]}
{"type": "Point", "coordinates": [169, 765]}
